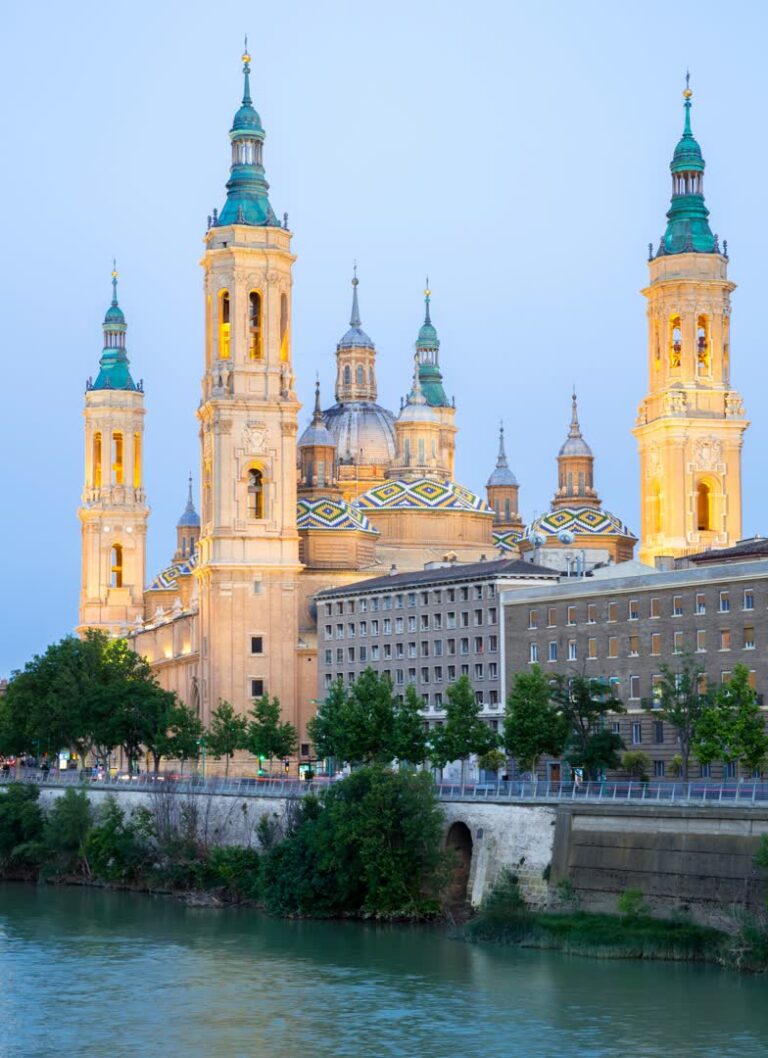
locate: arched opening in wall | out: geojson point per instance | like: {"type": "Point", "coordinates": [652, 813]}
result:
{"type": "Point", "coordinates": [224, 325]}
{"type": "Point", "coordinates": [359, 375]}
{"type": "Point", "coordinates": [97, 460]}
{"type": "Point", "coordinates": [137, 460]}
{"type": "Point", "coordinates": [459, 841]}
{"type": "Point", "coordinates": [422, 452]}
{"type": "Point", "coordinates": [675, 342]}
{"type": "Point", "coordinates": [347, 375]}
{"type": "Point", "coordinates": [702, 346]}
{"type": "Point", "coordinates": [254, 326]}
{"type": "Point", "coordinates": [507, 510]}
{"type": "Point", "coordinates": [703, 507]}
{"type": "Point", "coordinates": [407, 451]}
{"type": "Point", "coordinates": [255, 494]}
{"type": "Point", "coordinates": [116, 569]}
{"type": "Point", "coordinates": [117, 458]}
{"type": "Point", "coordinates": [570, 483]}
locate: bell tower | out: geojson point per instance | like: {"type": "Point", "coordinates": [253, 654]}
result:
{"type": "Point", "coordinates": [691, 424]}
{"type": "Point", "coordinates": [113, 512]}
{"type": "Point", "coordinates": [248, 550]}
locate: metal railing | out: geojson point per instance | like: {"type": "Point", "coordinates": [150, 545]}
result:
{"type": "Point", "coordinates": [702, 792]}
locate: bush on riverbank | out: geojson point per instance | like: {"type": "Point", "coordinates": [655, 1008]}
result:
{"type": "Point", "coordinates": [505, 918]}
{"type": "Point", "coordinates": [370, 845]}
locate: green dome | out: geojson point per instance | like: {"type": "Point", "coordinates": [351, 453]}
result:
{"type": "Point", "coordinates": [688, 229]}
{"type": "Point", "coordinates": [114, 371]}
{"type": "Point", "coordinates": [114, 314]}
{"type": "Point", "coordinates": [247, 120]}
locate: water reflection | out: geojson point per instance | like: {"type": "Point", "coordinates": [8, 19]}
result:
{"type": "Point", "coordinates": [120, 974]}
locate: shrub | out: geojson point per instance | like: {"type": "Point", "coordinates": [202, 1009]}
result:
{"type": "Point", "coordinates": [66, 832]}
{"type": "Point", "coordinates": [636, 764]}
{"type": "Point", "coordinates": [21, 823]}
{"type": "Point", "coordinates": [631, 904]}
{"type": "Point", "coordinates": [114, 847]}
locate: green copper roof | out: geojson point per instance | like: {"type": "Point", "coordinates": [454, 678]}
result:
{"type": "Point", "coordinates": [428, 350]}
{"type": "Point", "coordinates": [247, 189]}
{"type": "Point", "coordinates": [114, 372]}
{"type": "Point", "coordinates": [688, 227]}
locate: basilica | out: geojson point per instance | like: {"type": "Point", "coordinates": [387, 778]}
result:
{"type": "Point", "coordinates": [363, 490]}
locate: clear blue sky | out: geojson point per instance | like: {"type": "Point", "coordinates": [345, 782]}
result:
{"type": "Point", "coordinates": [516, 152]}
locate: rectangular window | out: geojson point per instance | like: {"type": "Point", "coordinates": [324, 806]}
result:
{"type": "Point", "coordinates": [388, 651]}
{"type": "Point", "coordinates": [479, 672]}
{"type": "Point", "coordinates": [374, 627]}
{"type": "Point", "coordinates": [399, 676]}
{"type": "Point", "coordinates": [411, 598]}
{"type": "Point", "coordinates": [677, 606]}
{"type": "Point", "coordinates": [438, 595]}
{"type": "Point", "coordinates": [464, 594]}
{"type": "Point", "coordinates": [399, 650]}
{"type": "Point", "coordinates": [437, 622]}
{"type": "Point", "coordinates": [351, 630]}
{"type": "Point", "coordinates": [571, 615]}
{"type": "Point", "coordinates": [725, 677]}
{"type": "Point", "coordinates": [363, 628]}
{"type": "Point", "coordinates": [658, 732]}
{"type": "Point", "coordinates": [257, 644]}
{"type": "Point", "coordinates": [749, 637]}
{"type": "Point", "coordinates": [438, 673]}
{"type": "Point", "coordinates": [328, 609]}
{"type": "Point", "coordinates": [591, 649]}
{"type": "Point", "coordinates": [656, 643]}
{"type": "Point", "coordinates": [450, 619]}
{"type": "Point", "coordinates": [387, 626]}
{"type": "Point", "coordinates": [437, 648]}
{"type": "Point", "coordinates": [479, 645]}
{"type": "Point", "coordinates": [424, 622]}
{"type": "Point", "coordinates": [329, 657]}
{"type": "Point", "coordinates": [552, 651]}
{"type": "Point", "coordinates": [705, 771]}
{"type": "Point", "coordinates": [386, 602]}
{"type": "Point", "coordinates": [351, 606]}
{"type": "Point", "coordinates": [491, 615]}
{"type": "Point", "coordinates": [363, 605]}
{"type": "Point", "coordinates": [398, 602]}
{"type": "Point", "coordinates": [340, 655]}
{"type": "Point", "coordinates": [412, 623]}
{"type": "Point", "coordinates": [438, 700]}
{"type": "Point", "coordinates": [478, 617]}
{"type": "Point", "coordinates": [613, 646]}
{"type": "Point", "coordinates": [729, 770]}
{"type": "Point", "coordinates": [425, 675]}
{"type": "Point", "coordinates": [478, 591]}
{"type": "Point", "coordinates": [533, 652]}
{"type": "Point", "coordinates": [464, 670]}
{"type": "Point", "coordinates": [328, 679]}
{"type": "Point", "coordinates": [591, 613]}
{"type": "Point", "coordinates": [749, 599]}
{"type": "Point", "coordinates": [451, 647]}
{"type": "Point", "coordinates": [679, 643]}
{"type": "Point", "coordinates": [375, 652]}
{"type": "Point", "coordinates": [451, 673]}
{"type": "Point", "coordinates": [634, 610]}
{"type": "Point", "coordinates": [613, 612]}
{"type": "Point", "coordinates": [634, 646]}
{"type": "Point", "coordinates": [340, 607]}
{"type": "Point", "coordinates": [350, 653]}
{"type": "Point", "coordinates": [701, 641]}
{"type": "Point", "coordinates": [339, 631]}
{"type": "Point", "coordinates": [375, 604]}
{"type": "Point", "coordinates": [399, 625]}
{"type": "Point", "coordinates": [725, 639]}
{"type": "Point", "coordinates": [493, 670]}
{"type": "Point", "coordinates": [634, 688]}
{"type": "Point", "coordinates": [451, 595]}
{"type": "Point", "coordinates": [572, 650]}
{"type": "Point", "coordinates": [637, 733]}
{"type": "Point", "coordinates": [725, 602]}
{"type": "Point", "coordinates": [493, 697]}
{"type": "Point", "coordinates": [551, 617]}
{"type": "Point", "coordinates": [463, 646]}
{"type": "Point", "coordinates": [411, 650]}
{"type": "Point", "coordinates": [493, 644]}
{"type": "Point", "coordinates": [658, 769]}
{"type": "Point", "coordinates": [655, 607]}
{"type": "Point", "coordinates": [257, 688]}
{"type": "Point", "coordinates": [616, 727]}
{"type": "Point", "coordinates": [701, 603]}
{"type": "Point", "coordinates": [533, 618]}
{"type": "Point", "coordinates": [425, 648]}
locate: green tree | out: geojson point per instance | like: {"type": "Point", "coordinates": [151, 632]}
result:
{"type": "Point", "coordinates": [357, 723]}
{"type": "Point", "coordinates": [636, 764]}
{"type": "Point", "coordinates": [681, 702]}
{"type": "Point", "coordinates": [185, 731]}
{"type": "Point", "coordinates": [410, 730]}
{"type": "Point", "coordinates": [21, 819]}
{"type": "Point", "coordinates": [731, 726]}
{"type": "Point", "coordinates": [227, 734]}
{"type": "Point", "coordinates": [268, 735]}
{"type": "Point", "coordinates": [532, 725]}
{"type": "Point", "coordinates": [371, 844]}
{"type": "Point", "coordinates": [584, 704]}
{"type": "Point", "coordinates": [66, 830]}
{"type": "Point", "coordinates": [463, 731]}
{"type": "Point", "coordinates": [158, 715]}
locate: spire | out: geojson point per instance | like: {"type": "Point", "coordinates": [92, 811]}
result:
{"type": "Point", "coordinates": [428, 352]}
{"type": "Point", "coordinates": [502, 475]}
{"type": "Point", "coordinates": [416, 396]}
{"type": "Point", "coordinates": [574, 444]}
{"type": "Point", "coordinates": [355, 338]}
{"type": "Point", "coordinates": [189, 517]}
{"type": "Point", "coordinates": [247, 189]}
{"type": "Point", "coordinates": [575, 466]}
{"type": "Point", "coordinates": [114, 372]}
{"type": "Point", "coordinates": [317, 414]}
{"type": "Point", "coordinates": [687, 219]}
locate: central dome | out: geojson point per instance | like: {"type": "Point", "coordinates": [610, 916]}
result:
{"type": "Point", "coordinates": [364, 432]}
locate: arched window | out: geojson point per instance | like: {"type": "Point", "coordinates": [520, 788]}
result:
{"type": "Point", "coordinates": [97, 460]}
{"type": "Point", "coordinates": [137, 460]}
{"type": "Point", "coordinates": [359, 375]}
{"type": "Point", "coordinates": [422, 452]}
{"type": "Point", "coordinates": [321, 472]}
{"type": "Point", "coordinates": [254, 326]}
{"type": "Point", "coordinates": [347, 375]}
{"type": "Point", "coordinates": [676, 342]}
{"type": "Point", "coordinates": [507, 510]}
{"type": "Point", "coordinates": [117, 458]}
{"type": "Point", "coordinates": [703, 507]}
{"type": "Point", "coordinates": [570, 483]}
{"type": "Point", "coordinates": [224, 325]}
{"type": "Point", "coordinates": [370, 376]}
{"type": "Point", "coordinates": [702, 346]}
{"type": "Point", "coordinates": [116, 578]}
{"type": "Point", "coordinates": [283, 326]}
{"type": "Point", "coordinates": [255, 494]}
{"type": "Point", "coordinates": [581, 482]}
{"type": "Point", "coordinates": [407, 451]}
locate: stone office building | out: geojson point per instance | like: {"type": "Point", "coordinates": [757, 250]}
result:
{"type": "Point", "coordinates": [623, 625]}
{"type": "Point", "coordinates": [425, 628]}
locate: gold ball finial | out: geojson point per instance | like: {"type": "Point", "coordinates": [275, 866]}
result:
{"type": "Point", "coordinates": [687, 93]}
{"type": "Point", "coordinates": [246, 57]}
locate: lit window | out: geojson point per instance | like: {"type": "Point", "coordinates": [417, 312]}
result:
{"type": "Point", "coordinates": [117, 566]}
{"type": "Point", "coordinates": [97, 460]}
{"type": "Point", "coordinates": [224, 325]}
{"type": "Point", "coordinates": [117, 459]}
{"type": "Point", "coordinates": [255, 494]}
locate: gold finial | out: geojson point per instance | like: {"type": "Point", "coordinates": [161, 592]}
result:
{"type": "Point", "coordinates": [427, 291]}
{"type": "Point", "coordinates": [114, 268]}
{"type": "Point", "coordinates": [246, 56]}
{"type": "Point", "coordinates": [687, 93]}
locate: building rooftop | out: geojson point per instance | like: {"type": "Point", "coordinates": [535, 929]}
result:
{"type": "Point", "coordinates": [448, 573]}
{"type": "Point", "coordinates": [756, 546]}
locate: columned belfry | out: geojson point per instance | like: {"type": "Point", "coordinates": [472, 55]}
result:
{"type": "Point", "coordinates": [113, 512]}
{"type": "Point", "coordinates": [248, 551]}
{"type": "Point", "coordinates": [691, 424]}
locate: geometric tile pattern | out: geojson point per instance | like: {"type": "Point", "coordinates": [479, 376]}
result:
{"type": "Point", "coordinates": [507, 539]}
{"type": "Point", "coordinates": [325, 513]}
{"type": "Point", "coordinates": [579, 520]}
{"type": "Point", "coordinates": [166, 578]}
{"type": "Point", "coordinates": [423, 494]}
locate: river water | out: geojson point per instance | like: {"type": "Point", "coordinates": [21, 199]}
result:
{"type": "Point", "coordinates": [86, 972]}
